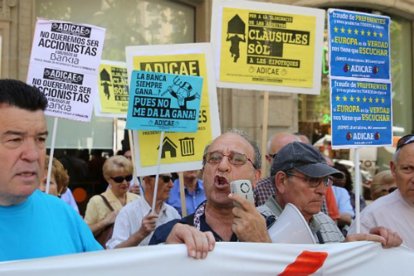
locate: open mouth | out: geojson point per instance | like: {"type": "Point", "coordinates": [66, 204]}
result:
{"type": "Point", "coordinates": [221, 183]}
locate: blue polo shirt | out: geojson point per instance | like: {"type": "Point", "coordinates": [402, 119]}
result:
{"type": "Point", "coordinates": [192, 199]}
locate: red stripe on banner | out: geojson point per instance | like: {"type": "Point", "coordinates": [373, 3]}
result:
{"type": "Point", "coordinates": [305, 264]}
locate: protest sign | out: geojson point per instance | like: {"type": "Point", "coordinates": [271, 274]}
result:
{"type": "Point", "coordinates": [359, 45]}
{"type": "Point", "coordinates": [113, 90]}
{"type": "Point", "coordinates": [164, 102]}
{"type": "Point", "coordinates": [360, 79]}
{"type": "Point", "coordinates": [361, 113]}
{"type": "Point", "coordinates": [270, 47]}
{"type": "Point", "coordinates": [63, 65]}
{"type": "Point", "coordinates": [180, 150]}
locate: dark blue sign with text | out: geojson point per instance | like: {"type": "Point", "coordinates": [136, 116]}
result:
{"type": "Point", "coordinates": [359, 45]}
{"type": "Point", "coordinates": [361, 113]}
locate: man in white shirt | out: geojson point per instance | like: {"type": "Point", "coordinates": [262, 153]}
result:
{"type": "Point", "coordinates": [395, 210]}
{"type": "Point", "coordinates": [136, 222]}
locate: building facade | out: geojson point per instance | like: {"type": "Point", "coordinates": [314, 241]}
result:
{"type": "Point", "coordinates": [137, 22]}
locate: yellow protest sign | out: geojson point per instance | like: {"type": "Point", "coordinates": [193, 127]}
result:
{"type": "Point", "coordinates": [265, 46]}
{"type": "Point", "coordinates": [113, 90]}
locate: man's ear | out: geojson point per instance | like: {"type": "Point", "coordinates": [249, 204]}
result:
{"type": "Point", "coordinates": [280, 182]}
{"type": "Point", "coordinates": [257, 176]}
{"type": "Point", "coordinates": [393, 168]}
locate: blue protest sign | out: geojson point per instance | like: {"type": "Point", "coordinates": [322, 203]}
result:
{"type": "Point", "coordinates": [163, 102]}
{"type": "Point", "coordinates": [361, 113]}
{"type": "Point", "coordinates": [359, 45]}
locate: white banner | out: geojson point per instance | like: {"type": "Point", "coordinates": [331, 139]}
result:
{"type": "Point", "coordinates": [356, 258]}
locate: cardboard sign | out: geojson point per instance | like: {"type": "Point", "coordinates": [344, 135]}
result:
{"type": "Point", "coordinates": [181, 151]}
{"type": "Point", "coordinates": [359, 45]}
{"type": "Point", "coordinates": [361, 113]}
{"type": "Point", "coordinates": [360, 78]}
{"type": "Point", "coordinates": [63, 65]}
{"type": "Point", "coordinates": [164, 102]}
{"type": "Point", "coordinates": [264, 46]}
{"type": "Point", "coordinates": [113, 90]}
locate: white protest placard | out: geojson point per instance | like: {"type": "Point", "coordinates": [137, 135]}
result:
{"type": "Point", "coordinates": [63, 65]}
{"type": "Point", "coordinates": [181, 151]}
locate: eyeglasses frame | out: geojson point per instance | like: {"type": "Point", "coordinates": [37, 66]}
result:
{"type": "Point", "coordinates": [228, 155]}
{"type": "Point", "coordinates": [327, 181]}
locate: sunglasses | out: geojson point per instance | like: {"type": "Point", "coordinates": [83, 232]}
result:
{"type": "Point", "coordinates": [235, 158]}
{"type": "Point", "coordinates": [405, 140]}
{"type": "Point", "coordinates": [165, 178]}
{"type": "Point", "coordinates": [120, 179]}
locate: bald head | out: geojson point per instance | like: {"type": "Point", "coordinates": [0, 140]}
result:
{"type": "Point", "coordinates": [303, 138]}
{"type": "Point", "coordinates": [279, 140]}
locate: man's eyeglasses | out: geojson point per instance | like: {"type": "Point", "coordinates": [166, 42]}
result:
{"type": "Point", "coordinates": [405, 140]}
{"type": "Point", "coordinates": [120, 179]}
{"type": "Point", "coordinates": [312, 181]}
{"type": "Point", "coordinates": [235, 158]}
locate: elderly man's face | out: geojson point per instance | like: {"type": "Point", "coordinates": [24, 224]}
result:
{"type": "Point", "coordinates": [190, 176]}
{"type": "Point", "coordinates": [218, 175]}
{"type": "Point", "coordinates": [22, 152]}
{"type": "Point", "coordinates": [165, 184]}
{"type": "Point", "coordinates": [305, 193]}
{"type": "Point", "coordinates": [403, 171]}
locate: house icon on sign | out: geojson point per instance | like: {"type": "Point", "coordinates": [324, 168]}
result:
{"type": "Point", "coordinates": [168, 146]}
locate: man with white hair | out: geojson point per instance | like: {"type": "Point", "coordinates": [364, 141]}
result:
{"type": "Point", "coordinates": [395, 210]}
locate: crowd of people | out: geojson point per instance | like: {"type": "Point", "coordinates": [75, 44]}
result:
{"type": "Point", "coordinates": [122, 215]}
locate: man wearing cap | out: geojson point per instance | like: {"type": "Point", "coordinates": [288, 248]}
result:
{"type": "Point", "coordinates": [301, 177]}
{"type": "Point", "coordinates": [395, 210]}
{"type": "Point", "coordinates": [265, 188]}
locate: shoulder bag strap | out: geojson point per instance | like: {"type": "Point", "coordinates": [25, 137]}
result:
{"type": "Point", "coordinates": [107, 203]}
